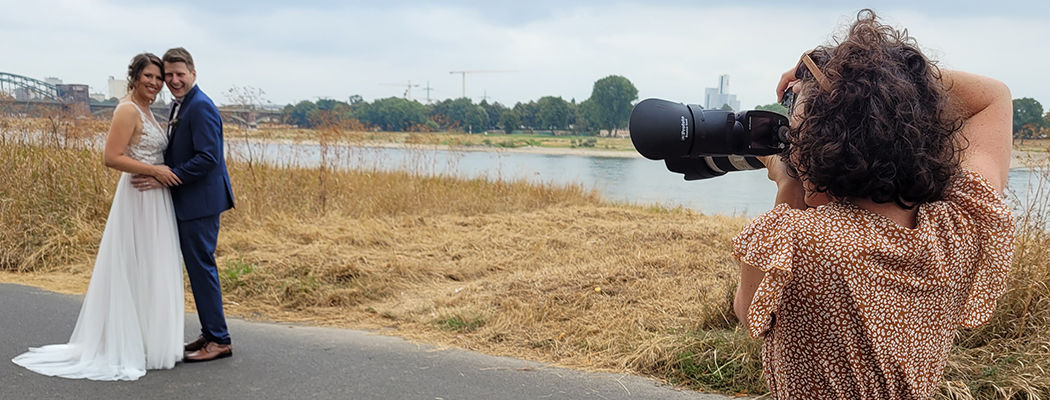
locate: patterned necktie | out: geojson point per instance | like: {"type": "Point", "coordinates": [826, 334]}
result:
{"type": "Point", "coordinates": [171, 118]}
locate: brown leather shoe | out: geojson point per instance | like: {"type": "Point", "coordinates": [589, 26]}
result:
{"type": "Point", "coordinates": [196, 344]}
{"type": "Point", "coordinates": [210, 351]}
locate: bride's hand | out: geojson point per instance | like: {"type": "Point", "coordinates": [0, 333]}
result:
{"type": "Point", "coordinates": [165, 176]}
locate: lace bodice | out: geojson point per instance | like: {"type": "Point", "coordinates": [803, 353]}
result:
{"type": "Point", "coordinates": [151, 145]}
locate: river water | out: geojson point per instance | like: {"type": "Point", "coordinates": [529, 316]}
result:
{"type": "Point", "coordinates": [619, 179]}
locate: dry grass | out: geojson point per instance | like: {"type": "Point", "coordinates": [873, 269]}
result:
{"type": "Point", "coordinates": [1009, 356]}
{"type": "Point", "coordinates": [543, 273]}
{"type": "Point", "coordinates": [1033, 145]}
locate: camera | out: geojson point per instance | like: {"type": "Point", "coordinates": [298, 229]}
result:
{"type": "Point", "coordinates": [703, 143]}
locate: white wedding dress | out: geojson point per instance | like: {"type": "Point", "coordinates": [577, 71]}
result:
{"type": "Point", "coordinates": [132, 317]}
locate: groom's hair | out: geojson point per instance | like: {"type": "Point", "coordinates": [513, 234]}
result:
{"type": "Point", "coordinates": [179, 54]}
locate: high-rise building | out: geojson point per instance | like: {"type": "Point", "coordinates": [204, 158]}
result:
{"type": "Point", "coordinates": [118, 87]}
{"type": "Point", "coordinates": [717, 97]}
{"type": "Point", "coordinates": [53, 81]}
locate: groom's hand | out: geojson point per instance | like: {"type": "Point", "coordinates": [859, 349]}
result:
{"type": "Point", "coordinates": [145, 182]}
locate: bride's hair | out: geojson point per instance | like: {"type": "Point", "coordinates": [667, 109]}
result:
{"type": "Point", "coordinates": [139, 63]}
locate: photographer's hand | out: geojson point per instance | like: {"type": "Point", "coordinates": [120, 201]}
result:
{"type": "Point", "coordinates": [785, 80]}
{"type": "Point", "coordinates": [789, 189]}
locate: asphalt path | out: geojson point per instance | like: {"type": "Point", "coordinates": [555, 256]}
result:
{"type": "Point", "coordinates": [281, 361]}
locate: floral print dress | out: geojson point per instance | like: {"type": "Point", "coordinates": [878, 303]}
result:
{"type": "Point", "coordinates": [854, 306]}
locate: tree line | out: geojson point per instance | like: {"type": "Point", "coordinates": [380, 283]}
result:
{"type": "Point", "coordinates": [608, 108]}
{"type": "Point", "coordinates": [1029, 120]}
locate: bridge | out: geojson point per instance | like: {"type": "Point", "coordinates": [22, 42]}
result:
{"type": "Point", "coordinates": [33, 88]}
{"type": "Point", "coordinates": [23, 95]}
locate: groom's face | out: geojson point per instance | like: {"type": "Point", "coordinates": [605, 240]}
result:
{"type": "Point", "coordinates": [179, 77]}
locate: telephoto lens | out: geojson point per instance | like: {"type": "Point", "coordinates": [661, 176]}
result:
{"type": "Point", "coordinates": [703, 144]}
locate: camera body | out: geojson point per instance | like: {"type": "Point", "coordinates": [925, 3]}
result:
{"type": "Point", "coordinates": [703, 143]}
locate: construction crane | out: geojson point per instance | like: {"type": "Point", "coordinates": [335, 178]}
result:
{"type": "Point", "coordinates": [408, 87]}
{"type": "Point", "coordinates": [463, 74]}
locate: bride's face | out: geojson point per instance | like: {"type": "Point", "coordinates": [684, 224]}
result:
{"type": "Point", "coordinates": [149, 82]}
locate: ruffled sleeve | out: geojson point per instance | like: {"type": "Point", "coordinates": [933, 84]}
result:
{"type": "Point", "coordinates": [769, 244]}
{"type": "Point", "coordinates": [993, 228]}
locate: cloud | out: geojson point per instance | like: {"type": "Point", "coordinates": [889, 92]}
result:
{"type": "Point", "coordinates": [337, 49]}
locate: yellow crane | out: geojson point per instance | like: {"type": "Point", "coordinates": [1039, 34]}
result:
{"type": "Point", "coordinates": [463, 74]}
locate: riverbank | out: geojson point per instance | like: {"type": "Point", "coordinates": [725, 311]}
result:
{"type": "Point", "coordinates": [537, 272]}
{"type": "Point", "coordinates": [1021, 156]}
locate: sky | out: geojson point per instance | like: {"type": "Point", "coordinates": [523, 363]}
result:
{"type": "Point", "coordinates": [313, 49]}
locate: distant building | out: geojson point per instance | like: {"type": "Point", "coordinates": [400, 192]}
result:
{"type": "Point", "coordinates": [716, 97]}
{"type": "Point", "coordinates": [53, 81]}
{"type": "Point", "coordinates": [23, 94]}
{"type": "Point", "coordinates": [98, 97]}
{"type": "Point", "coordinates": [73, 93]}
{"type": "Point", "coordinates": [118, 87]}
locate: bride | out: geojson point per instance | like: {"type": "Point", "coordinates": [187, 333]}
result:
{"type": "Point", "coordinates": [132, 316]}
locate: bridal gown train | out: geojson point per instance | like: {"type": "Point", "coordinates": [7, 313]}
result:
{"type": "Point", "coordinates": [132, 317]}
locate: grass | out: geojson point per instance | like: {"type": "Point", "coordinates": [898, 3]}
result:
{"type": "Point", "coordinates": [1033, 145]}
{"type": "Point", "coordinates": [544, 273]}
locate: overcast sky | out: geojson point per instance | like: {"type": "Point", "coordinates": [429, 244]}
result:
{"type": "Point", "coordinates": [296, 50]}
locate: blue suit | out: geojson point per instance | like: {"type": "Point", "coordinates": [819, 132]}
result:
{"type": "Point", "coordinates": [195, 154]}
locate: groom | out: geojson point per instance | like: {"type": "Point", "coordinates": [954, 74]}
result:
{"type": "Point", "coordinates": [195, 155]}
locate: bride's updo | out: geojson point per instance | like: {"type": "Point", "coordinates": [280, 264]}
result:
{"type": "Point", "coordinates": [139, 63]}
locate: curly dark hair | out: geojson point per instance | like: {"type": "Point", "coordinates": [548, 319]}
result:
{"type": "Point", "coordinates": [885, 130]}
{"type": "Point", "coordinates": [139, 63]}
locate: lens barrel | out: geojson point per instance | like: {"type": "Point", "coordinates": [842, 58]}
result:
{"type": "Point", "coordinates": [703, 143]}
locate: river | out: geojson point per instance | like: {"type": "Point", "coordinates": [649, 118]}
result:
{"type": "Point", "coordinates": [619, 179]}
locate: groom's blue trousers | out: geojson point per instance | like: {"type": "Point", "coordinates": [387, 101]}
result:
{"type": "Point", "coordinates": [198, 237]}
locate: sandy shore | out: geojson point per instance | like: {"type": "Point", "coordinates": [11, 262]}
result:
{"type": "Point", "coordinates": [586, 152]}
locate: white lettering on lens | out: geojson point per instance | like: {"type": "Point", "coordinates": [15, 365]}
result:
{"type": "Point", "coordinates": [685, 129]}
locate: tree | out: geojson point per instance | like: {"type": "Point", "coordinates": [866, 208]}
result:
{"type": "Point", "coordinates": [553, 112]}
{"type": "Point", "coordinates": [494, 111]}
{"type": "Point", "coordinates": [332, 105]}
{"type": "Point", "coordinates": [529, 114]}
{"type": "Point", "coordinates": [775, 107]}
{"type": "Point", "coordinates": [612, 96]}
{"type": "Point", "coordinates": [509, 121]}
{"type": "Point", "coordinates": [330, 113]}
{"type": "Point", "coordinates": [587, 118]}
{"type": "Point", "coordinates": [392, 113]}
{"type": "Point", "coordinates": [461, 114]}
{"type": "Point", "coordinates": [1028, 118]}
{"type": "Point", "coordinates": [726, 107]}
{"type": "Point", "coordinates": [300, 113]}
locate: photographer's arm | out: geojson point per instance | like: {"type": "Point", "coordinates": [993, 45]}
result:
{"type": "Point", "coordinates": [750, 277]}
{"type": "Point", "coordinates": [987, 110]}
{"type": "Point", "coordinates": [789, 191]}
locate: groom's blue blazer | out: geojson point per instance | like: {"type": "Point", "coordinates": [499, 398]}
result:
{"type": "Point", "coordinates": [195, 154]}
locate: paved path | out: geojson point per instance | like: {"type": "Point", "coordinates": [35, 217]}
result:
{"type": "Point", "coordinates": [278, 361]}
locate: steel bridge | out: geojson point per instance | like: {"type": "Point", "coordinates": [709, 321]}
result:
{"type": "Point", "coordinates": [34, 88]}
{"type": "Point", "coordinates": [36, 97]}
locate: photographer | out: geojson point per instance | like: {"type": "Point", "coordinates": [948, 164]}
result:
{"type": "Point", "coordinates": [889, 231]}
